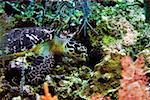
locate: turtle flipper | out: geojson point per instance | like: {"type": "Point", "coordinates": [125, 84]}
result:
{"type": "Point", "coordinates": [35, 67]}
{"type": "Point", "coordinates": [38, 69]}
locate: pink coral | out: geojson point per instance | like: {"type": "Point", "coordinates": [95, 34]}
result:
{"type": "Point", "coordinates": [133, 84]}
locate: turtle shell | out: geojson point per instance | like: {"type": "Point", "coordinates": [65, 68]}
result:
{"type": "Point", "coordinates": [21, 39]}
{"type": "Point", "coordinates": [36, 68]}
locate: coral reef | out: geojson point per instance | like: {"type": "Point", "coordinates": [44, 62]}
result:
{"type": "Point", "coordinates": [98, 96]}
{"type": "Point", "coordinates": [73, 84]}
{"type": "Point", "coordinates": [47, 95]}
{"type": "Point", "coordinates": [107, 75]}
{"type": "Point", "coordinates": [133, 84]}
{"type": "Point", "coordinates": [87, 66]}
{"type": "Point", "coordinates": [6, 23]}
{"type": "Point", "coordinates": [116, 28]}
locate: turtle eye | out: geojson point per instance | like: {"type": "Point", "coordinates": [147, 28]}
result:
{"type": "Point", "coordinates": [70, 50]}
{"type": "Point", "coordinates": [49, 33]}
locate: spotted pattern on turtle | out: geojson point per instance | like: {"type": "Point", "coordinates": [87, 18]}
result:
{"type": "Point", "coordinates": [35, 67]}
{"type": "Point", "coordinates": [46, 43]}
{"type": "Point", "coordinates": [21, 39]}
{"type": "Point", "coordinates": [44, 66]}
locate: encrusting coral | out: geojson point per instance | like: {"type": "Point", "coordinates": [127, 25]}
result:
{"type": "Point", "coordinates": [47, 95]}
{"type": "Point", "coordinates": [133, 84]}
{"type": "Point", "coordinates": [98, 96]}
{"type": "Point", "coordinates": [107, 75]}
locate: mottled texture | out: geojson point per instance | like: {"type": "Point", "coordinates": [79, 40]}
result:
{"type": "Point", "coordinates": [34, 48]}
{"type": "Point", "coordinates": [39, 68]}
{"type": "Point", "coordinates": [21, 39]}
{"type": "Point", "coordinates": [134, 81]}
{"type": "Point", "coordinates": [36, 68]}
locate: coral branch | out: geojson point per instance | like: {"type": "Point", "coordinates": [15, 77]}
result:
{"type": "Point", "coordinates": [133, 84]}
{"type": "Point", "coordinates": [47, 95]}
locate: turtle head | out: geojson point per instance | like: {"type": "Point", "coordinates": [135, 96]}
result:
{"type": "Point", "coordinates": [66, 45]}
{"type": "Point", "coordinates": [76, 50]}
{"type": "Point", "coordinates": [50, 33]}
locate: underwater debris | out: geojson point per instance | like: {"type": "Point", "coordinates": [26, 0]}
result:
{"type": "Point", "coordinates": [47, 95]}
{"type": "Point", "coordinates": [133, 84]}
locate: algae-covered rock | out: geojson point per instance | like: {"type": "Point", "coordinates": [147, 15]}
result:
{"type": "Point", "coordinates": [6, 23]}
{"type": "Point", "coordinates": [111, 30]}
{"type": "Point", "coordinates": [72, 86]}
{"type": "Point", "coordinates": [107, 75]}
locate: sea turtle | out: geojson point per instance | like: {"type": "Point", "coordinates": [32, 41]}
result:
{"type": "Point", "coordinates": [21, 40]}
{"type": "Point", "coordinates": [37, 45]}
{"type": "Point", "coordinates": [31, 69]}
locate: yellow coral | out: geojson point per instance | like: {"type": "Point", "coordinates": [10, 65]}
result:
{"type": "Point", "coordinates": [47, 95]}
